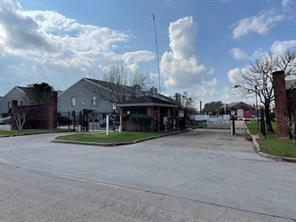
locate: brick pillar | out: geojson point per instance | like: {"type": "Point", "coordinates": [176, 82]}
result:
{"type": "Point", "coordinates": [13, 112]}
{"type": "Point", "coordinates": [281, 108]}
{"type": "Point", "coordinates": [52, 111]}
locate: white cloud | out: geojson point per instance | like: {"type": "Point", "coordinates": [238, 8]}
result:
{"type": "Point", "coordinates": [238, 53]}
{"type": "Point", "coordinates": [289, 6]}
{"type": "Point", "coordinates": [260, 24]}
{"type": "Point", "coordinates": [180, 67]}
{"type": "Point", "coordinates": [279, 47]}
{"type": "Point", "coordinates": [233, 74]}
{"type": "Point", "coordinates": [53, 45]}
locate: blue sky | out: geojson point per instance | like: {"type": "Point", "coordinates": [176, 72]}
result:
{"type": "Point", "coordinates": [202, 44]}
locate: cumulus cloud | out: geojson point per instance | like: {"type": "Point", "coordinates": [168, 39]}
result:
{"type": "Point", "coordinates": [260, 24]}
{"type": "Point", "coordinates": [279, 47]}
{"type": "Point", "coordinates": [55, 45]}
{"type": "Point", "coordinates": [233, 74]}
{"type": "Point", "coordinates": [19, 31]}
{"type": "Point", "coordinates": [238, 53]}
{"type": "Point", "coordinates": [179, 66]}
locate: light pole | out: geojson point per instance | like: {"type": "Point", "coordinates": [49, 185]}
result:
{"type": "Point", "coordinates": [256, 92]}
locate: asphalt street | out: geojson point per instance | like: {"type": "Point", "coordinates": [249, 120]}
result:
{"type": "Point", "coordinates": [207, 169]}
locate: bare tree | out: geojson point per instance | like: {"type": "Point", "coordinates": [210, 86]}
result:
{"type": "Point", "coordinates": [20, 119]}
{"type": "Point", "coordinates": [122, 76]}
{"type": "Point", "coordinates": [257, 78]}
{"type": "Point", "coordinates": [122, 80]}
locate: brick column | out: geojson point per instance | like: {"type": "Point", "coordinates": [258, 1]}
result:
{"type": "Point", "coordinates": [281, 108]}
{"type": "Point", "coordinates": [52, 111]}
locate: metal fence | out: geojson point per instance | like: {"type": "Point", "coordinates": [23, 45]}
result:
{"type": "Point", "coordinates": [85, 121]}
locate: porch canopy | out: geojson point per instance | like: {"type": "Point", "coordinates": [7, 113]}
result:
{"type": "Point", "coordinates": [163, 113]}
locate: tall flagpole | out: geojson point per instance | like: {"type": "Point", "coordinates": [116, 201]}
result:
{"type": "Point", "coordinates": [157, 54]}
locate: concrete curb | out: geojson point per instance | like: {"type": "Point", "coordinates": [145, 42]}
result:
{"type": "Point", "coordinates": [266, 155]}
{"type": "Point", "coordinates": [29, 134]}
{"type": "Point", "coordinates": [120, 143]}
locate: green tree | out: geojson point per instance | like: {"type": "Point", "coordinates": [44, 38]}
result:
{"type": "Point", "coordinates": [40, 92]}
{"type": "Point", "coordinates": [213, 107]}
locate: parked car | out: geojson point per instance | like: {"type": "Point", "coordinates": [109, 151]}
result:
{"type": "Point", "coordinates": [6, 120]}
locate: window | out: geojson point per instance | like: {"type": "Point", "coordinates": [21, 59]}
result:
{"type": "Point", "coordinates": [73, 102]}
{"type": "Point", "coordinates": [94, 100]}
{"type": "Point", "coordinates": [22, 103]}
{"type": "Point", "coordinates": [8, 105]}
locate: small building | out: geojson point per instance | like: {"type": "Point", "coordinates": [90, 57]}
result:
{"type": "Point", "coordinates": [240, 109]}
{"type": "Point", "coordinates": [22, 95]}
{"type": "Point", "coordinates": [148, 113]}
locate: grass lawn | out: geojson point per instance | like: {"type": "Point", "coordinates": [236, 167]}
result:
{"type": "Point", "coordinates": [4, 133]}
{"type": "Point", "coordinates": [113, 137]}
{"type": "Point", "coordinates": [272, 144]}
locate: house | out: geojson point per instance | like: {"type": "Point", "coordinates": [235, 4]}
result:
{"type": "Point", "coordinates": [240, 109]}
{"type": "Point", "coordinates": [20, 94]}
{"type": "Point", "coordinates": [98, 97]}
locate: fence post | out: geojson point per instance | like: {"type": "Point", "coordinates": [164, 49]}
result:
{"type": "Point", "coordinates": [74, 120]}
{"type": "Point", "coordinates": [68, 120]}
{"type": "Point", "coordinates": [120, 123]}
{"type": "Point", "coordinates": [232, 125]}
{"type": "Point", "coordinates": [107, 124]}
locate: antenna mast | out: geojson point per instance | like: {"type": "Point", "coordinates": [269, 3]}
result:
{"type": "Point", "coordinates": [157, 54]}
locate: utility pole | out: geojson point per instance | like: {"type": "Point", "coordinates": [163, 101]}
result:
{"type": "Point", "coordinates": [157, 54]}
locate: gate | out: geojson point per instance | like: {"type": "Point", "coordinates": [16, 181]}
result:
{"type": "Point", "coordinates": [85, 121]}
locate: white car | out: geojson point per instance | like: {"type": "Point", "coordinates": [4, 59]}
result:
{"type": "Point", "coordinates": [5, 120]}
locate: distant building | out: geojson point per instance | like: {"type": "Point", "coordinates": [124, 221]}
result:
{"type": "Point", "coordinates": [240, 105]}
{"type": "Point", "coordinates": [20, 94]}
{"type": "Point", "coordinates": [240, 109]}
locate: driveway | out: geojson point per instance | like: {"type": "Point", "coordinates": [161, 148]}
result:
{"type": "Point", "coordinates": [208, 166]}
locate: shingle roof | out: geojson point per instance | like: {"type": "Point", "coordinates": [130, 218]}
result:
{"type": "Point", "coordinates": [126, 89]}
{"type": "Point", "coordinates": [27, 90]}
{"type": "Point", "coordinates": [147, 100]}
{"type": "Point", "coordinates": [116, 87]}
{"type": "Point", "coordinates": [236, 105]}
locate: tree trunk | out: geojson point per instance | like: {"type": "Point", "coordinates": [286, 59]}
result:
{"type": "Point", "coordinates": [268, 118]}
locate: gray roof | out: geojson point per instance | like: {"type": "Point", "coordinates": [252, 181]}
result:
{"type": "Point", "coordinates": [27, 90]}
{"type": "Point", "coordinates": [291, 84]}
{"type": "Point", "coordinates": [147, 101]}
{"type": "Point", "coordinates": [236, 105]}
{"type": "Point", "coordinates": [121, 89]}
{"type": "Point", "coordinates": [116, 87]}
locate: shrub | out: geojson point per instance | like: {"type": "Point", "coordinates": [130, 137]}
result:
{"type": "Point", "coordinates": [142, 121]}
